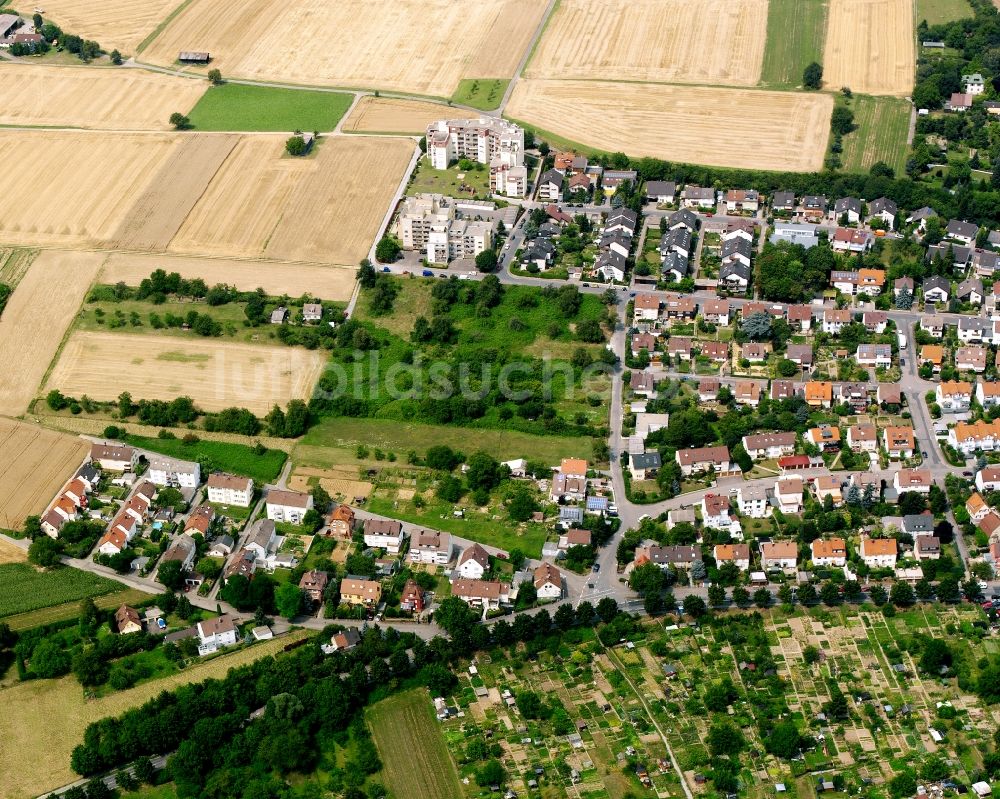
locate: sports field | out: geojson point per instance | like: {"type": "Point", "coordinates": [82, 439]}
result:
{"type": "Point", "coordinates": [236, 107]}
{"type": "Point", "coordinates": [34, 464]}
{"type": "Point", "coordinates": [425, 770]}
{"type": "Point", "coordinates": [698, 125]}
{"type": "Point", "coordinates": [217, 374]}
{"type": "Point", "coordinates": [683, 41]}
{"type": "Point", "coordinates": [85, 97]}
{"type": "Point", "coordinates": [334, 283]}
{"type": "Point", "coordinates": [120, 24]}
{"type": "Point", "coordinates": [35, 758]}
{"type": "Point", "coordinates": [936, 12]}
{"type": "Point", "coordinates": [392, 115]}
{"type": "Point", "coordinates": [420, 46]}
{"type": "Point", "coordinates": [870, 46]}
{"type": "Point", "coordinates": [36, 319]}
{"type": "Point", "coordinates": [795, 33]}
{"type": "Point", "coordinates": [98, 179]}
{"type": "Point", "coordinates": [882, 127]}
{"type": "Point", "coordinates": [326, 208]}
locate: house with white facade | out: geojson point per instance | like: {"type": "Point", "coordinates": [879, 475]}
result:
{"type": "Point", "coordinates": [487, 140]}
{"type": "Point", "coordinates": [473, 563]}
{"type": "Point", "coordinates": [430, 546]}
{"type": "Point", "coordinates": [780, 555]}
{"type": "Point", "coordinates": [769, 445]}
{"type": "Point", "coordinates": [829, 552]}
{"type": "Point", "coordinates": [753, 502]}
{"type": "Point", "coordinates": [164, 471]}
{"type": "Point", "coordinates": [384, 534]}
{"type": "Point", "coordinates": [287, 506]}
{"type": "Point", "coordinates": [230, 489]}
{"type": "Point", "coordinates": [214, 634]}
{"type": "Point", "coordinates": [878, 553]}
{"type": "Point", "coordinates": [953, 396]}
{"type": "Point", "coordinates": [788, 492]}
{"type": "Point", "coordinates": [733, 553]}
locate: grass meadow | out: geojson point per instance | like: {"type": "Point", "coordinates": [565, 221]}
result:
{"type": "Point", "coordinates": [795, 36]}
{"type": "Point", "coordinates": [426, 769]}
{"type": "Point", "coordinates": [219, 456]}
{"type": "Point", "coordinates": [881, 128]}
{"type": "Point", "coordinates": [23, 588]}
{"type": "Point", "coordinates": [936, 12]}
{"type": "Point", "coordinates": [482, 93]}
{"type": "Point", "coordinates": [233, 107]}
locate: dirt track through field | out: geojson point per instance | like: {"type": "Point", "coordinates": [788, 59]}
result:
{"type": "Point", "coordinates": [870, 46]}
{"type": "Point", "coordinates": [421, 46]}
{"type": "Point", "coordinates": [82, 186]}
{"type": "Point", "coordinates": [120, 24]}
{"type": "Point", "coordinates": [160, 211]}
{"type": "Point", "coordinates": [216, 374]}
{"type": "Point", "coordinates": [682, 123]}
{"type": "Point", "coordinates": [87, 97]}
{"type": "Point", "coordinates": [334, 283]}
{"type": "Point", "coordinates": [325, 209]}
{"type": "Point", "coordinates": [683, 41]}
{"type": "Point", "coordinates": [35, 320]}
{"type": "Point", "coordinates": [392, 115]}
{"type": "Point", "coordinates": [34, 464]}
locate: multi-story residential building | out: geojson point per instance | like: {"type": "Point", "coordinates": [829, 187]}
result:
{"type": "Point", "coordinates": [783, 555]}
{"type": "Point", "coordinates": [967, 437]}
{"type": "Point", "coordinates": [384, 534]}
{"type": "Point", "coordinates": [769, 445]}
{"type": "Point", "coordinates": [753, 502]}
{"type": "Point", "coordinates": [488, 140]}
{"type": "Point", "coordinates": [430, 546]}
{"type": "Point", "coordinates": [971, 359]}
{"type": "Point", "coordinates": [988, 394]}
{"type": "Point", "coordinates": [287, 506]}
{"type": "Point", "coordinates": [834, 320]}
{"type": "Point", "coordinates": [976, 507]}
{"type": "Point", "coordinates": [440, 227]}
{"type": "Point", "coordinates": [788, 492]}
{"type": "Point", "coordinates": [229, 489]}
{"type": "Point", "coordinates": [953, 396]}
{"type": "Point", "coordinates": [715, 513]}
{"type": "Point", "coordinates": [878, 553]}
{"type": "Point", "coordinates": [174, 473]}
{"type": "Point", "coordinates": [831, 552]}
{"type": "Point", "coordinates": [862, 438]}
{"type": "Point", "coordinates": [485, 594]}
{"type": "Point", "coordinates": [988, 479]}
{"type": "Point", "coordinates": [918, 481]}
{"type": "Point", "coordinates": [114, 457]}
{"type": "Point", "coordinates": [702, 459]}
{"type": "Point", "coordinates": [355, 591]}
{"type": "Point", "coordinates": [899, 441]}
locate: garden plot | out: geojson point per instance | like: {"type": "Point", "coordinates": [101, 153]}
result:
{"type": "Point", "coordinates": [418, 46]}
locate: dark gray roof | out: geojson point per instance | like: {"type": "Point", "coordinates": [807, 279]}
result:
{"type": "Point", "coordinates": [684, 217]}
{"type": "Point", "coordinates": [959, 228]}
{"type": "Point", "coordinates": [918, 521]}
{"type": "Point", "coordinates": [735, 268]}
{"type": "Point", "coordinates": [675, 262]}
{"type": "Point", "coordinates": [882, 205]}
{"type": "Point", "coordinates": [552, 176]}
{"type": "Point", "coordinates": [646, 460]}
{"type": "Point", "coordinates": [845, 204]}
{"type": "Point", "coordinates": [660, 188]}
{"type": "Point", "coordinates": [936, 282]}
{"type": "Point", "coordinates": [783, 199]}
{"type": "Point", "coordinates": [737, 246]}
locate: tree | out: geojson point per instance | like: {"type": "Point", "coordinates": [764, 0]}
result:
{"type": "Point", "coordinates": [367, 276]}
{"type": "Point", "coordinates": [215, 76]}
{"type": "Point", "coordinates": [785, 594]}
{"type": "Point", "coordinates": [646, 579]}
{"type": "Point", "coordinates": [179, 121]}
{"type": "Point", "coordinates": [116, 58]}
{"type": "Point", "coordinates": [830, 593]}
{"type": "Point", "coordinates": [812, 76]}
{"type": "Point", "coordinates": [296, 146]}
{"type": "Point", "coordinates": [901, 594]}
{"type": "Point", "coordinates": [171, 575]}
{"type": "Point", "coordinates": [807, 594]}
{"type": "Point", "coordinates": [762, 598]}
{"type": "Point", "coordinates": [725, 738]}
{"type": "Point", "coordinates": [757, 326]}
{"type": "Point", "coordinates": [904, 299]}
{"type": "Point", "coordinates": [387, 250]}
{"type": "Point", "coordinates": [936, 653]}
{"type": "Point", "coordinates": [784, 740]}
{"type": "Point", "coordinates": [741, 596]}
{"type": "Point", "coordinates": [842, 120]}
{"type": "Point", "coordinates": [607, 609]}
{"type": "Point", "coordinates": [852, 591]}
{"type": "Point", "coordinates": [879, 595]}
{"type": "Point", "coordinates": [716, 595]}
{"type": "Point", "coordinates": [972, 590]}
{"type": "Point", "coordinates": [487, 261]}
{"type": "Point", "coordinates": [836, 709]}
{"type": "Point", "coordinates": [44, 552]}
{"type": "Point", "coordinates": [491, 774]}
{"type": "Point", "coordinates": [694, 606]}
{"type": "Point", "coordinates": [484, 472]}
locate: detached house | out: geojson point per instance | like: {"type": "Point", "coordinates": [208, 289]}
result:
{"type": "Point", "coordinates": [698, 197]}
{"type": "Point", "coordinates": [885, 209]}
{"type": "Point", "coordinates": [788, 492]}
{"type": "Point", "coordinates": [971, 291]}
{"type": "Point", "coordinates": [834, 320]}
{"type": "Point", "coordinates": [899, 442]}
{"type": "Point", "coordinates": [769, 445]}
{"type": "Point", "coordinates": [779, 555]}
{"type": "Point", "coordinates": [114, 457]}
{"type": "Point", "coordinates": [357, 591]}
{"type": "Point", "coordinates": [384, 534]}
{"type": "Point", "coordinates": [988, 479]}
{"type": "Point", "coordinates": [876, 355]}
{"type": "Point", "coordinates": [831, 552]}
{"type": "Point", "coordinates": [819, 394]}
{"type": "Point", "coordinates": [953, 396]}
{"type": "Point", "coordinates": [473, 563]}
{"type": "Point", "coordinates": [936, 289]}
{"type": "Point", "coordinates": [752, 501]}
{"type": "Point", "coordinates": [971, 359]}
{"type": "Point", "coordinates": [878, 553]}
{"type": "Point", "coordinates": [430, 546]}
{"type": "Point", "coordinates": [742, 201]}
{"type": "Point", "coordinates": [962, 232]}
{"type": "Point", "coordinates": [826, 437]}
{"type": "Point", "coordinates": [716, 312]}
{"type": "Point", "coordinates": [715, 512]}
{"type": "Point", "coordinates": [849, 207]}
{"type": "Point", "coordinates": [485, 594]}
{"type": "Point", "coordinates": [733, 553]}
{"type": "Point", "coordinates": [862, 438]}
{"type": "Point", "coordinates": [647, 308]}
{"type": "Point", "coordinates": [851, 240]}
{"type": "Point", "coordinates": [918, 481]}
{"type": "Point", "coordinates": [548, 582]}
{"type": "Point", "coordinates": [287, 506]}
{"type": "Point", "coordinates": [702, 459]}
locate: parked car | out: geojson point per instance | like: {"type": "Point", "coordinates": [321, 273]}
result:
{"type": "Point", "coordinates": [427, 273]}
{"type": "Point", "coordinates": [386, 269]}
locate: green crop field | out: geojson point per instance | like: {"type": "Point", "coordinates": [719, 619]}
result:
{"type": "Point", "coordinates": [881, 128]}
{"type": "Point", "coordinates": [219, 456]}
{"type": "Point", "coordinates": [70, 610]}
{"type": "Point", "coordinates": [23, 588]}
{"type": "Point", "coordinates": [936, 12]}
{"type": "Point", "coordinates": [234, 107]}
{"type": "Point", "coordinates": [412, 748]}
{"type": "Point", "coordinates": [795, 37]}
{"type": "Point", "coordinates": [482, 93]}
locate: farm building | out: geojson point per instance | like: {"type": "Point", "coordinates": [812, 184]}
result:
{"type": "Point", "coordinates": [194, 57]}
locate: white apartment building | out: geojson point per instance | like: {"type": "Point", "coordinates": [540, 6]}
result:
{"type": "Point", "coordinates": [439, 227]}
{"type": "Point", "coordinates": [174, 473]}
{"type": "Point", "coordinates": [488, 140]}
{"type": "Point", "coordinates": [229, 489]}
{"type": "Point", "coordinates": [287, 506]}
{"type": "Point", "coordinates": [753, 502]}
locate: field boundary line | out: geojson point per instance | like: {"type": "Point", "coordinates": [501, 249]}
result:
{"type": "Point", "coordinates": [161, 27]}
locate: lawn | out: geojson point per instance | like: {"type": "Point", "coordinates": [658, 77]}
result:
{"type": "Point", "coordinates": [473, 183]}
{"type": "Point", "coordinates": [425, 770]}
{"type": "Point", "coordinates": [232, 106]}
{"type": "Point", "coordinates": [881, 128]}
{"type": "Point", "coordinates": [23, 588]}
{"type": "Point", "coordinates": [70, 610]}
{"type": "Point", "coordinates": [219, 456]}
{"type": "Point", "coordinates": [795, 37]}
{"type": "Point", "coordinates": [401, 437]}
{"type": "Point", "coordinates": [936, 12]}
{"type": "Point", "coordinates": [482, 93]}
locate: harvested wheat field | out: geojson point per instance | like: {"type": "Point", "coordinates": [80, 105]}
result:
{"type": "Point", "coordinates": [325, 209]}
{"type": "Point", "coordinates": [217, 374]}
{"type": "Point", "coordinates": [35, 757]}
{"type": "Point", "coordinates": [86, 97]}
{"type": "Point", "coordinates": [11, 553]}
{"type": "Point", "coordinates": [695, 125]}
{"type": "Point", "coordinates": [333, 283]}
{"type": "Point", "coordinates": [115, 24]}
{"type": "Point", "coordinates": [94, 181]}
{"type": "Point", "coordinates": [339, 483]}
{"type": "Point", "coordinates": [34, 464]}
{"type": "Point", "coordinates": [36, 319]}
{"type": "Point", "coordinates": [869, 46]}
{"type": "Point", "coordinates": [675, 41]}
{"type": "Point", "coordinates": [158, 213]}
{"type": "Point", "coordinates": [420, 46]}
{"type": "Point", "coordinates": [392, 115]}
